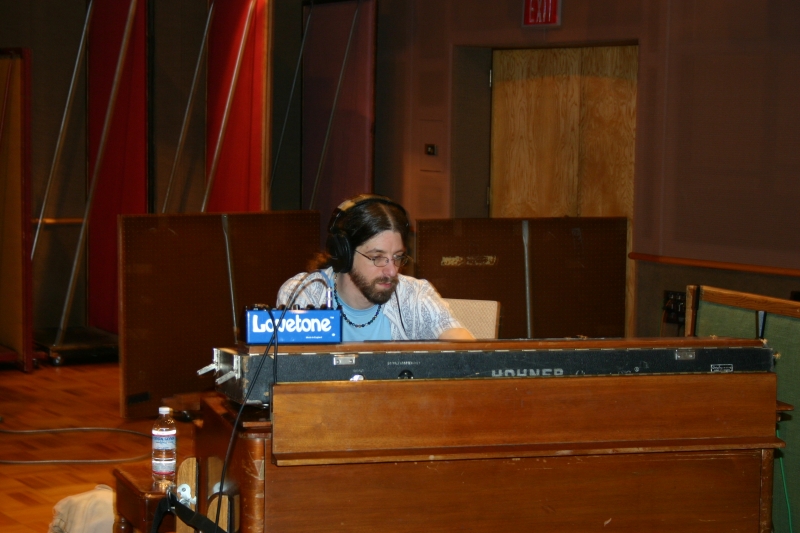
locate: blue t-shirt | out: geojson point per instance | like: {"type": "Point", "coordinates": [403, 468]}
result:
{"type": "Point", "coordinates": [379, 330]}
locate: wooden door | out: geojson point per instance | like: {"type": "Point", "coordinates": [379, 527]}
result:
{"type": "Point", "coordinates": [563, 136]}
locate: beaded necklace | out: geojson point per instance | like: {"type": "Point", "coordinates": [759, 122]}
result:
{"type": "Point", "coordinates": [339, 307]}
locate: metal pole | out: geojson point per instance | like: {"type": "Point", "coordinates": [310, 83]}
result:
{"type": "Point", "coordinates": [93, 183]}
{"type": "Point", "coordinates": [231, 283]}
{"type": "Point", "coordinates": [528, 310]}
{"type": "Point", "coordinates": [64, 121]}
{"type": "Point", "coordinates": [291, 96]}
{"type": "Point", "coordinates": [333, 109]}
{"type": "Point", "coordinates": [189, 106]}
{"type": "Point", "coordinates": [226, 115]}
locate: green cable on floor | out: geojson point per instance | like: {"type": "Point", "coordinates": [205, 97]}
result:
{"type": "Point", "coordinates": [785, 488]}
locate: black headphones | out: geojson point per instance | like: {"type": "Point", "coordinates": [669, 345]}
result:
{"type": "Point", "coordinates": [338, 243]}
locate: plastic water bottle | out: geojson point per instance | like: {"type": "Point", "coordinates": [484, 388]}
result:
{"type": "Point", "coordinates": [165, 447]}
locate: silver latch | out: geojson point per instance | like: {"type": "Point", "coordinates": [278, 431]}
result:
{"type": "Point", "coordinates": [339, 360]}
{"type": "Point", "coordinates": [685, 354]}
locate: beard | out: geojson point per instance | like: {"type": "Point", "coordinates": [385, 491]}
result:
{"type": "Point", "coordinates": [370, 289]}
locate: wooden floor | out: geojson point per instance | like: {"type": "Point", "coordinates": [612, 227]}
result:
{"type": "Point", "coordinates": [61, 397]}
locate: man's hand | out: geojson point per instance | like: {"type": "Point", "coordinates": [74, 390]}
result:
{"type": "Point", "coordinates": [456, 334]}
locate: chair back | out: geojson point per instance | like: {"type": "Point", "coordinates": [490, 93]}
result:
{"type": "Point", "coordinates": [726, 313]}
{"type": "Point", "coordinates": [480, 317]}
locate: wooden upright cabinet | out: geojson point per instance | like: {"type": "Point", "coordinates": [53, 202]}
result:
{"type": "Point", "coordinates": [673, 452]}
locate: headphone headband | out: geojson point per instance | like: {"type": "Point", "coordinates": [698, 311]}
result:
{"type": "Point", "coordinates": [338, 244]}
{"type": "Point", "coordinates": [362, 199]}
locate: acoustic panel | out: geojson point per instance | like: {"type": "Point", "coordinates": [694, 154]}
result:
{"type": "Point", "coordinates": [184, 283]}
{"type": "Point", "coordinates": [477, 259]}
{"type": "Point", "coordinates": [575, 271]}
{"type": "Point", "coordinates": [578, 276]}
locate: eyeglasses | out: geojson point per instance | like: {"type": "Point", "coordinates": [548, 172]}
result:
{"type": "Point", "coordinates": [381, 261]}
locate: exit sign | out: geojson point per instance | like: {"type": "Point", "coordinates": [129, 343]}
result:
{"type": "Point", "coordinates": [541, 13]}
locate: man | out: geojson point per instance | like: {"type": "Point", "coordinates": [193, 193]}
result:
{"type": "Point", "coordinates": [364, 252]}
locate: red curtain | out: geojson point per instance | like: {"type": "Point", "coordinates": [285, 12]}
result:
{"type": "Point", "coordinates": [122, 174]}
{"type": "Point", "coordinates": [237, 185]}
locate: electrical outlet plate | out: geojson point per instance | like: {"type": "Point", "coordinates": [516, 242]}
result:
{"type": "Point", "coordinates": [674, 307]}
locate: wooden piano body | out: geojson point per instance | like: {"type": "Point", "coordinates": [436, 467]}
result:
{"type": "Point", "coordinates": [671, 452]}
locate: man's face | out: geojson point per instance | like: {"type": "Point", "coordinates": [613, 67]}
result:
{"type": "Point", "coordinates": [377, 284]}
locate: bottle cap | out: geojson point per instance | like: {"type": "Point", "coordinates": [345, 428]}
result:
{"type": "Point", "coordinates": [165, 410]}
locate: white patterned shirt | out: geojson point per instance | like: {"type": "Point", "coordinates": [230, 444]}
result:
{"type": "Point", "coordinates": [421, 315]}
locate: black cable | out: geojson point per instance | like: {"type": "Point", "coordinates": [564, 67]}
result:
{"type": "Point", "coordinates": [399, 313]}
{"type": "Point", "coordinates": [80, 429]}
{"type": "Point", "coordinates": [301, 286]}
{"type": "Point", "coordinates": [229, 451]}
{"type": "Point", "coordinates": [275, 357]}
{"type": "Point", "coordinates": [73, 430]}
{"type": "Point", "coordinates": [76, 461]}
{"type": "Point", "coordinates": [273, 340]}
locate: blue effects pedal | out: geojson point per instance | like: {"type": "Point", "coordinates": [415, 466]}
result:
{"type": "Point", "coordinates": [306, 326]}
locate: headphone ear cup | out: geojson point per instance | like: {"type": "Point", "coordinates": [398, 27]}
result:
{"type": "Point", "coordinates": [341, 254]}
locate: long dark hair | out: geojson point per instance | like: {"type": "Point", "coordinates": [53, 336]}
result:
{"type": "Point", "coordinates": [355, 222]}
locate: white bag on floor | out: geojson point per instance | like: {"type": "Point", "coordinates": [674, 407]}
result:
{"type": "Point", "coordinates": [87, 512]}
